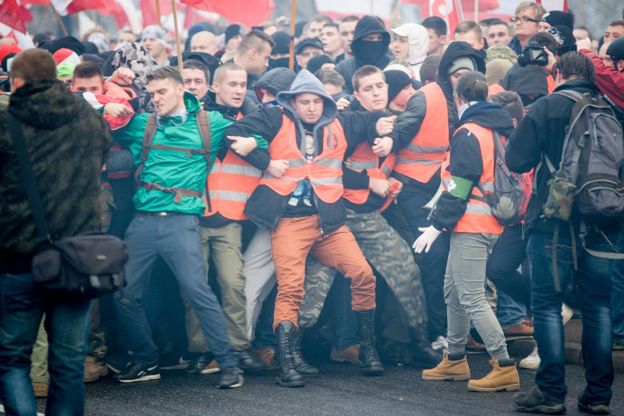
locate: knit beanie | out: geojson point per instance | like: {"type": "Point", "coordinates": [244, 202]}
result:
{"type": "Point", "coordinates": [396, 80]}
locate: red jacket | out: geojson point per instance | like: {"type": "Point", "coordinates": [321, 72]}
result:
{"type": "Point", "coordinates": [610, 82]}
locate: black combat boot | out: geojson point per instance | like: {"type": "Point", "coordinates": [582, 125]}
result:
{"type": "Point", "coordinates": [301, 365]}
{"type": "Point", "coordinates": [288, 377]}
{"type": "Point", "coordinates": [369, 360]}
{"type": "Point", "coordinates": [423, 354]}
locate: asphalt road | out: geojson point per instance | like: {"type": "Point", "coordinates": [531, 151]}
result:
{"type": "Point", "coordinates": [340, 390]}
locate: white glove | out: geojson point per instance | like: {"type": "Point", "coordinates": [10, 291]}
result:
{"type": "Point", "coordinates": [426, 239]}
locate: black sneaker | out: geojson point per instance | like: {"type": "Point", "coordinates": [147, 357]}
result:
{"type": "Point", "coordinates": [592, 408]}
{"type": "Point", "coordinates": [231, 378]}
{"type": "Point", "coordinates": [249, 361]}
{"type": "Point", "coordinates": [138, 372]}
{"type": "Point", "coordinates": [534, 401]}
{"type": "Point", "coordinates": [201, 364]}
{"type": "Point", "coordinates": [173, 362]}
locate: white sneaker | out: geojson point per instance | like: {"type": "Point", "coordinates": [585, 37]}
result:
{"type": "Point", "coordinates": [566, 313]}
{"type": "Point", "coordinates": [440, 344]}
{"type": "Point", "coordinates": [531, 361]}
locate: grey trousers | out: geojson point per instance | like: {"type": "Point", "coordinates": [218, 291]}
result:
{"type": "Point", "coordinates": [464, 294]}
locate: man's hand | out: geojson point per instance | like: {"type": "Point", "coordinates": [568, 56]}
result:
{"type": "Point", "coordinates": [117, 110]}
{"type": "Point", "coordinates": [426, 239]}
{"type": "Point", "coordinates": [584, 44]}
{"type": "Point", "coordinates": [379, 186]}
{"type": "Point", "coordinates": [385, 125]}
{"type": "Point", "coordinates": [277, 168]}
{"type": "Point", "coordinates": [122, 76]}
{"type": "Point", "coordinates": [551, 60]}
{"type": "Point", "coordinates": [342, 104]}
{"type": "Point", "coordinates": [395, 187]}
{"type": "Point", "coordinates": [243, 145]}
{"type": "Point", "coordinates": [382, 146]}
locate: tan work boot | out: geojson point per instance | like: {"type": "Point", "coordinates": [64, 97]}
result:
{"type": "Point", "coordinates": [501, 378]}
{"type": "Point", "coordinates": [349, 355]}
{"type": "Point", "coordinates": [267, 356]}
{"type": "Point", "coordinates": [41, 390]}
{"type": "Point", "coordinates": [448, 370]}
{"type": "Point", "coordinates": [94, 369]}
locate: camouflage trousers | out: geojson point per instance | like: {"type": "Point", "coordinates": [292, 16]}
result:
{"type": "Point", "coordinates": [387, 253]}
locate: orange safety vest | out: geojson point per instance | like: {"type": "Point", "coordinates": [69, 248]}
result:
{"type": "Point", "coordinates": [362, 159]}
{"type": "Point", "coordinates": [550, 83]}
{"type": "Point", "coordinates": [422, 158]}
{"type": "Point", "coordinates": [324, 171]}
{"type": "Point", "coordinates": [478, 217]}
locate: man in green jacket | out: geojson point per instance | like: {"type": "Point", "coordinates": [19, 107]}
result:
{"type": "Point", "coordinates": [172, 172]}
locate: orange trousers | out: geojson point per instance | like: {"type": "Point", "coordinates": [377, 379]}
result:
{"type": "Point", "coordinates": [291, 242]}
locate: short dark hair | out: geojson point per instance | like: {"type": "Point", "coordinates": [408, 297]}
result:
{"type": "Point", "coordinates": [472, 86]}
{"type": "Point", "coordinates": [616, 23]}
{"type": "Point", "coordinates": [429, 68]}
{"type": "Point", "coordinates": [575, 64]}
{"type": "Point", "coordinates": [546, 40]}
{"type": "Point", "coordinates": [364, 71]}
{"type": "Point", "coordinates": [330, 76]}
{"type": "Point", "coordinates": [511, 102]}
{"type": "Point", "coordinates": [320, 18]}
{"type": "Point", "coordinates": [254, 40]}
{"type": "Point", "coordinates": [33, 64]}
{"type": "Point", "coordinates": [87, 70]}
{"type": "Point", "coordinates": [165, 72]}
{"type": "Point", "coordinates": [437, 24]}
{"type": "Point", "coordinates": [195, 64]}
{"type": "Point", "coordinates": [350, 18]}
{"type": "Point", "coordinates": [332, 24]}
{"type": "Point", "coordinates": [226, 68]}
{"type": "Point", "coordinates": [496, 21]}
{"type": "Point", "coordinates": [585, 28]}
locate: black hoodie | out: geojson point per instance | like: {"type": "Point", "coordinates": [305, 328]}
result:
{"type": "Point", "coordinates": [466, 160]}
{"type": "Point", "coordinates": [366, 25]}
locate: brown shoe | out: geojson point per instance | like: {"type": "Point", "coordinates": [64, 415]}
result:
{"type": "Point", "coordinates": [348, 355]}
{"type": "Point", "coordinates": [41, 390]}
{"type": "Point", "coordinates": [94, 369]}
{"type": "Point", "coordinates": [474, 347]}
{"type": "Point", "coordinates": [501, 378]}
{"type": "Point", "coordinates": [267, 356]}
{"type": "Point", "coordinates": [522, 330]}
{"type": "Point", "coordinates": [448, 370]}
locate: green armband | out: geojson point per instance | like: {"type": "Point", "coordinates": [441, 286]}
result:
{"type": "Point", "coordinates": [460, 187]}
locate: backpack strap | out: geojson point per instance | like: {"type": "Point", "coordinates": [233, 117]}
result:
{"type": "Point", "coordinates": [148, 137]}
{"type": "Point", "coordinates": [583, 231]}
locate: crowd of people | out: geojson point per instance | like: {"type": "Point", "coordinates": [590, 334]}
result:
{"type": "Point", "coordinates": [352, 195]}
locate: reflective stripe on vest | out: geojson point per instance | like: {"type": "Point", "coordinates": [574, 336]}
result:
{"type": "Point", "coordinates": [478, 216]}
{"type": "Point", "coordinates": [324, 172]}
{"type": "Point", "coordinates": [362, 159]}
{"type": "Point", "coordinates": [422, 158]}
{"type": "Point", "coordinates": [230, 184]}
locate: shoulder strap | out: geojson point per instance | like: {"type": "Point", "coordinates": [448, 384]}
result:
{"type": "Point", "coordinates": [28, 177]}
{"type": "Point", "coordinates": [203, 123]}
{"type": "Point", "coordinates": [571, 94]}
{"type": "Point", "coordinates": [148, 137]}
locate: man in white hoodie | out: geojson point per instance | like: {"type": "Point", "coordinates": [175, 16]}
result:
{"type": "Point", "coordinates": [410, 41]}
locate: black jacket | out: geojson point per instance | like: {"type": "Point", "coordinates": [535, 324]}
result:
{"type": "Point", "coordinates": [265, 207]}
{"type": "Point", "coordinates": [409, 122]}
{"type": "Point", "coordinates": [543, 131]}
{"type": "Point", "coordinates": [365, 26]}
{"type": "Point", "coordinates": [67, 141]}
{"type": "Point", "coordinates": [466, 160]}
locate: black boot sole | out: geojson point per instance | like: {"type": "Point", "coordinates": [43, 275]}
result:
{"type": "Point", "coordinates": [373, 372]}
{"type": "Point", "coordinates": [291, 384]}
{"type": "Point", "coordinates": [545, 409]}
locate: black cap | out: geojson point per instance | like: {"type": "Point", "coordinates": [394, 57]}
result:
{"type": "Point", "coordinates": [232, 31]}
{"type": "Point", "coordinates": [282, 43]}
{"type": "Point", "coordinates": [559, 18]}
{"type": "Point", "coordinates": [396, 80]}
{"type": "Point", "coordinates": [313, 42]}
{"type": "Point", "coordinates": [299, 28]}
{"type": "Point", "coordinates": [616, 49]}
{"type": "Point", "coordinates": [68, 42]}
{"type": "Point", "coordinates": [317, 62]}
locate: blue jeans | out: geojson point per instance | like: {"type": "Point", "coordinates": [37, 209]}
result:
{"type": "Point", "coordinates": [509, 312]}
{"type": "Point", "coordinates": [345, 323]}
{"type": "Point", "coordinates": [617, 295]}
{"type": "Point", "coordinates": [594, 279]}
{"type": "Point", "coordinates": [22, 306]}
{"type": "Point", "coordinates": [176, 239]}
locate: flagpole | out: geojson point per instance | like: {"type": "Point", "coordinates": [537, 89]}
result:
{"type": "Point", "coordinates": [59, 20]}
{"type": "Point", "coordinates": [293, 17]}
{"type": "Point", "coordinates": [476, 11]}
{"type": "Point", "coordinates": [177, 34]}
{"type": "Point", "coordinates": [158, 15]}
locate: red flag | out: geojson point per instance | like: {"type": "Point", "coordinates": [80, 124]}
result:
{"type": "Point", "coordinates": [447, 10]}
{"type": "Point", "coordinates": [148, 10]}
{"type": "Point", "coordinates": [14, 15]}
{"type": "Point", "coordinates": [249, 12]}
